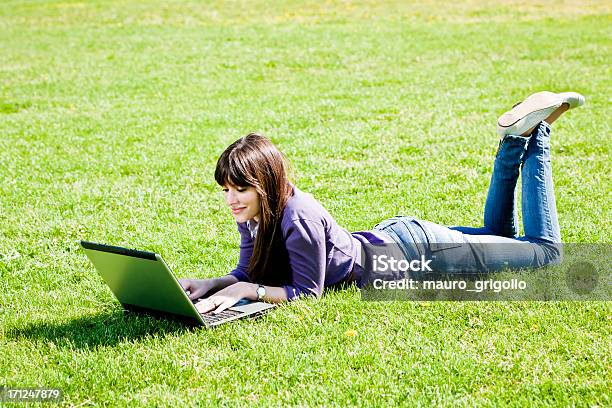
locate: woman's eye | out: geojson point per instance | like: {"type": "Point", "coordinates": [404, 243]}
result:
{"type": "Point", "coordinates": [240, 190]}
{"type": "Point", "coordinates": [225, 190]}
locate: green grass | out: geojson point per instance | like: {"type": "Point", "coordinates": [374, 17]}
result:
{"type": "Point", "coordinates": [112, 116]}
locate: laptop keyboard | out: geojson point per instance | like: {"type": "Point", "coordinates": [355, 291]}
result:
{"type": "Point", "coordinates": [210, 318]}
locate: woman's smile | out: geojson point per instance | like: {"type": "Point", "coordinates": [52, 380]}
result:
{"type": "Point", "coordinates": [237, 210]}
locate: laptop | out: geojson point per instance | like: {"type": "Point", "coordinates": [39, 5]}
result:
{"type": "Point", "coordinates": [142, 282]}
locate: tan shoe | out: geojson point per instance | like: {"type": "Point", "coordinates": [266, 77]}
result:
{"type": "Point", "coordinates": [573, 99]}
{"type": "Point", "coordinates": [528, 113]}
{"type": "Point", "coordinates": [537, 107]}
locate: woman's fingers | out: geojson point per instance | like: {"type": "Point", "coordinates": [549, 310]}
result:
{"type": "Point", "coordinates": [227, 302]}
{"type": "Point", "coordinates": [197, 292]}
{"type": "Point", "coordinates": [216, 304]}
{"type": "Point", "coordinates": [196, 288]}
{"type": "Point", "coordinates": [205, 306]}
{"type": "Point", "coordinates": [185, 283]}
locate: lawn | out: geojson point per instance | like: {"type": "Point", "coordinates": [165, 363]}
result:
{"type": "Point", "coordinates": [112, 116]}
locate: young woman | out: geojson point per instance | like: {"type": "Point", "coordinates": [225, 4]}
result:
{"type": "Point", "coordinates": [291, 246]}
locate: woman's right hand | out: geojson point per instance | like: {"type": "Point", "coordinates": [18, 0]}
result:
{"type": "Point", "coordinates": [197, 288]}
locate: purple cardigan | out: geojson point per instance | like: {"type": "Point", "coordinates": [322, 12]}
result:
{"type": "Point", "coordinates": [320, 252]}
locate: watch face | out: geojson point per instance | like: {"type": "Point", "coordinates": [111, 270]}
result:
{"type": "Point", "coordinates": [261, 292]}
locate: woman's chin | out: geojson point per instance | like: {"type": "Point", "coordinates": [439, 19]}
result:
{"type": "Point", "coordinates": [240, 218]}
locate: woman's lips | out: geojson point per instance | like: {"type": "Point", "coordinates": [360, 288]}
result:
{"type": "Point", "coordinates": [237, 210]}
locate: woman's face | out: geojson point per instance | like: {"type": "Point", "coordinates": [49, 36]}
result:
{"type": "Point", "coordinates": [243, 201]}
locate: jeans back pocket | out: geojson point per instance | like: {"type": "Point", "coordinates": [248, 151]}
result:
{"type": "Point", "coordinates": [440, 237]}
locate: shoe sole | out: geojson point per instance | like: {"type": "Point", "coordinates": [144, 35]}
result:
{"type": "Point", "coordinates": [538, 102]}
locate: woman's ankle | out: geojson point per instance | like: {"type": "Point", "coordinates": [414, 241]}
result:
{"type": "Point", "coordinates": [558, 112]}
{"type": "Point", "coordinates": [528, 133]}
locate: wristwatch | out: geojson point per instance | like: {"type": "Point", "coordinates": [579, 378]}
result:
{"type": "Point", "coordinates": [261, 292]}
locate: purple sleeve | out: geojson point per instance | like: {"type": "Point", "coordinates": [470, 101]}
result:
{"type": "Point", "coordinates": [305, 243]}
{"type": "Point", "coordinates": [246, 250]}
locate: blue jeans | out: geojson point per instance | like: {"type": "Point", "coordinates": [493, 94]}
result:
{"type": "Point", "coordinates": [496, 245]}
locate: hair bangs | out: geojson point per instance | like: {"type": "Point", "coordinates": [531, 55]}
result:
{"type": "Point", "coordinates": [231, 170]}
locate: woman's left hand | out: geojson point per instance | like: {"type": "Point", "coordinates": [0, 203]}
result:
{"type": "Point", "coordinates": [227, 297]}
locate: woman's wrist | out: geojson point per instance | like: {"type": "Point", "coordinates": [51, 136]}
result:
{"type": "Point", "coordinates": [250, 291]}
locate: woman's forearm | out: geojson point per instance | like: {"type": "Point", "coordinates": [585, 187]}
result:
{"type": "Point", "coordinates": [222, 282]}
{"type": "Point", "coordinates": [247, 290]}
{"type": "Point", "coordinates": [274, 294]}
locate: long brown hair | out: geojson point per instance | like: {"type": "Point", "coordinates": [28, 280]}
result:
{"type": "Point", "coordinates": [254, 161]}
